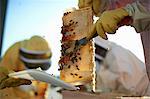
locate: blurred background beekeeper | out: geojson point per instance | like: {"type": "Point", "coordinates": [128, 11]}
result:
{"type": "Point", "coordinates": [27, 54]}
{"type": "Point", "coordinates": [121, 66]}
{"type": "Point", "coordinates": [119, 70]}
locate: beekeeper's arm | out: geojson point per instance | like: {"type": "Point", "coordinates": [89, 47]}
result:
{"type": "Point", "coordinates": [122, 70]}
{"type": "Point", "coordinates": [6, 81]}
{"type": "Point", "coordinates": [111, 12]}
{"type": "Point", "coordinates": [10, 62]}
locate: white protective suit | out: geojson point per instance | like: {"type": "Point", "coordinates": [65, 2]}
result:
{"type": "Point", "coordinates": [121, 70]}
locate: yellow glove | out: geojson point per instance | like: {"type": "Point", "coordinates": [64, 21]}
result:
{"type": "Point", "coordinates": [110, 19]}
{"type": "Point", "coordinates": [94, 4]}
{"type": "Point", "coordinates": [97, 28]}
{"type": "Point", "coordinates": [84, 3]}
{"type": "Point", "coordinates": [108, 22]}
{"type": "Point", "coordinates": [6, 81]}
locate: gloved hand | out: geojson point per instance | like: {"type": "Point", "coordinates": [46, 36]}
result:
{"type": "Point", "coordinates": [6, 81]}
{"type": "Point", "coordinates": [96, 29]}
{"type": "Point", "coordinates": [109, 20]}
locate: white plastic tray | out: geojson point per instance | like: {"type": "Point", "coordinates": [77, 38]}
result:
{"type": "Point", "coordinates": [33, 74]}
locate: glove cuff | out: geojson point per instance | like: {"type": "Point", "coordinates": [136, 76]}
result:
{"type": "Point", "coordinates": [123, 11]}
{"type": "Point", "coordinates": [104, 5]}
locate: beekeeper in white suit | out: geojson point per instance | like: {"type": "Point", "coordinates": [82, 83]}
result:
{"type": "Point", "coordinates": [119, 70]}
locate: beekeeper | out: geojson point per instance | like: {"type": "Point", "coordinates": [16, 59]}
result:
{"type": "Point", "coordinates": [129, 73]}
{"type": "Point", "coordinates": [27, 54]}
{"type": "Point", "coordinates": [119, 70]}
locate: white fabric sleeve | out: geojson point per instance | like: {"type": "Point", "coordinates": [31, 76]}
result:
{"type": "Point", "coordinates": [140, 15]}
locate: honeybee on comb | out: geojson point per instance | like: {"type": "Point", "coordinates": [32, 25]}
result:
{"type": "Point", "coordinates": [76, 65]}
